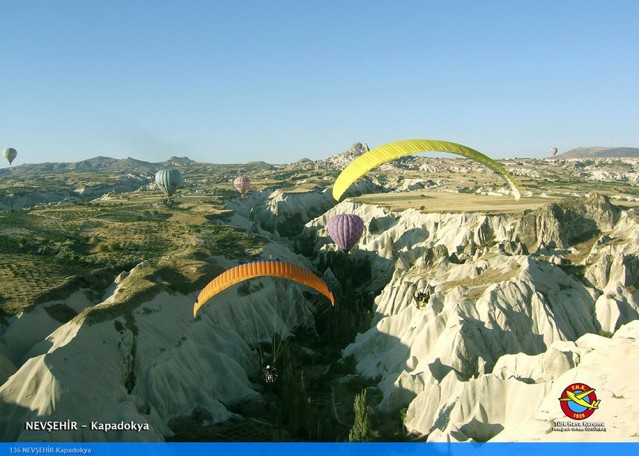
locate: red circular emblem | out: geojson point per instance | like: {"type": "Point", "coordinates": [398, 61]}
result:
{"type": "Point", "coordinates": [578, 401]}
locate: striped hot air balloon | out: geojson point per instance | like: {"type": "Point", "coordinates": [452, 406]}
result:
{"type": "Point", "coordinates": [345, 230]}
{"type": "Point", "coordinates": [242, 184]}
{"type": "Point", "coordinates": [168, 180]}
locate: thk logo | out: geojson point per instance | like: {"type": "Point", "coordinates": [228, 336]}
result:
{"type": "Point", "coordinates": [579, 401]}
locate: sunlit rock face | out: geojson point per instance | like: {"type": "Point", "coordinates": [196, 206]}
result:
{"type": "Point", "coordinates": [141, 357]}
{"type": "Point", "coordinates": [518, 304]}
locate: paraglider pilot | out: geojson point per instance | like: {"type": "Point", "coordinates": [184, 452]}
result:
{"type": "Point", "coordinates": [269, 374]}
{"type": "Point", "coordinates": [422, 296]}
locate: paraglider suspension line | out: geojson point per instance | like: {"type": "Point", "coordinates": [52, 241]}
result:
{"type": "Point", "coordinates": [255, 342]}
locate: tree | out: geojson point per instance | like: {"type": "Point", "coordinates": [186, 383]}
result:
{"type": "Point", "coordinates": [298, 407]}
{"type": "Point", "coordinates": [362, 430]}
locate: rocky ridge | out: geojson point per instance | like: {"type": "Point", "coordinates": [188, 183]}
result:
{"type": "Point", "coordinates": [503, 286]}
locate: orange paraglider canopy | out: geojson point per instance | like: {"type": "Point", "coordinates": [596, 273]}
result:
{"type": "Point", "coordinates": [257, 269]}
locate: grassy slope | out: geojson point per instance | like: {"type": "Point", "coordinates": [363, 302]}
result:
{"type": "Point", "coordinates": [46, 253]}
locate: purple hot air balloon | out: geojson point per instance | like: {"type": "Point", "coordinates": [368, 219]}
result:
{"type": "Point", "coordinates": [554, 151]}
{"type": "Point", "coordinates": [345, 230]}
{"type": "Point", "coordinates": [242, 184]}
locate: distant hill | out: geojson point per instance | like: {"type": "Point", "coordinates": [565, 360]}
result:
{"type": "Point", "coordinates": [177, 162]}
{"type": "Point", "coordinates": [96, 164]}
{"type": "Point", "coordinates": [342, 159]}
{"type": "Point", "coordinates": [600, 152]}
{"type": "Point", "coordinates": [128, 166]}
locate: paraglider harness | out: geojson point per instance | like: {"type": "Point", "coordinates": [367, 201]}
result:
{"type": "Point", "coordinates": [269, 374]}
{"type": "Point", "coordinates": [422, 296]}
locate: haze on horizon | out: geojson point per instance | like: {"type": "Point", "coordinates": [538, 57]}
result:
{"type": "Point", "coordinates": [279, 81]}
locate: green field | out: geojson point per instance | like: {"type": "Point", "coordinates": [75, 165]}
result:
{"type": "Point", "coordinates": [47, 252]}
{"type": "Point", "coordinates": [432, 201]}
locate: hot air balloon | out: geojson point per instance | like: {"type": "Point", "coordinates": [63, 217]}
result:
{"type": "Point", "coordinates": [10, 154]}
{"type": "Point", "coordinates": [365, 162]}
{"type": "Point", "coordinates": [345, 230]}
{"type": "Point", "coordinates": [554, 151]}
{"type": "Point", "coordinates": [242, 184]}
{"type": "Point", "coordinates": [168, 180]}
{"type": "Point", "coordinates": [260, 268]}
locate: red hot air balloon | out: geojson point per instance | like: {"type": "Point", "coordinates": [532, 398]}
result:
{"type": "Point", "coordinates": [554, 151]}
{"type": "Point", "coordinates": [242, 184]}
{"type": "Point", "coordinates": [345, 230]}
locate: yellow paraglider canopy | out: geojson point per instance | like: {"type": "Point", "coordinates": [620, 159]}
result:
{"type": "Point", "coordinates": [382, 154]}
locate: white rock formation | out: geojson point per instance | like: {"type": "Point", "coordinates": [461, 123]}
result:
{"type": "Point", "coordinates": [496, 310]}
{"type": "Point", "coordinates": [142, 360]}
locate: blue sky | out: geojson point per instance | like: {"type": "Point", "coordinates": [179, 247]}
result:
{"type": "Point", "coordinates": [234, 81]}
